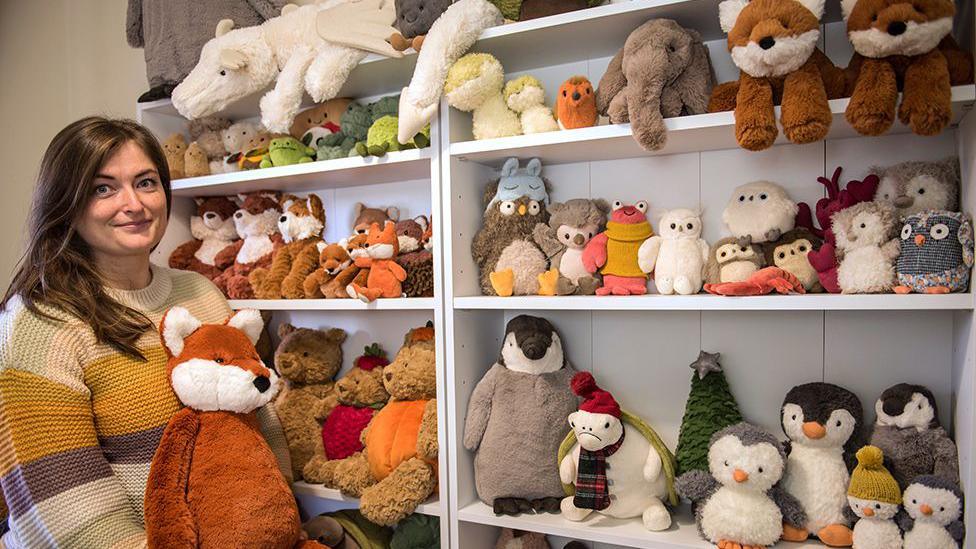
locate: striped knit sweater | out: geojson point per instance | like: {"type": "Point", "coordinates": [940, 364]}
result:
{"type": "Point", "coordinates": [80, 422]}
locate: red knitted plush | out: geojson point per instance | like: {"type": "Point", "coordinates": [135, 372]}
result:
{"type": "Point", "coordinates": [595, 399]}
{"type": "Point", "coordinates": [341, 430]}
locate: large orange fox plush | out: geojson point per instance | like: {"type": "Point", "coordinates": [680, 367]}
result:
{"type": "Point", "coordinates": [385, 274]}
{"type": "Point", "coordinates": [774, 44]}
{"type": "Point", "coordinates": [214, 482]}
{"type": "Point", "coordinates": [902, 45]}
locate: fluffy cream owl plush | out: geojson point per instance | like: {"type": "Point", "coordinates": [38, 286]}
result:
{"type": "Point", "coordinates": [866, 238]}
{"type": "Point", "coordinates": [677, 254]}
{"type": "Point", "coordinates": [759, 212]}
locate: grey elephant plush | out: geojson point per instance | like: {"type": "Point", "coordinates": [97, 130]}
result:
{"type": "Point", "coordinates": [662, 71]}
{"type": "Point", "coordinates": [414, 19]}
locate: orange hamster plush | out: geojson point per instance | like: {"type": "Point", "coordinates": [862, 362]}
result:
{"type": "Point", "coordinates": [908, 46]}
{"type": "Point", "coordinates": [576, 104]}
{"type": "Point", "coordinates": [214, 481]}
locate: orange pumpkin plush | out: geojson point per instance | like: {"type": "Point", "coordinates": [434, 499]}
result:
{"type": "Point", "coordinates": [214, 481]}
{"type": "Point", "coordinates": [774, 44]}
{"type": "Point", "coordinates": [397, 470]}
{"type": "Point", "coordinates": [903, 45]}
{"type": "Point", "coordinates": [576, 104]}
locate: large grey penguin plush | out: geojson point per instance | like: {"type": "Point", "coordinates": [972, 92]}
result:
{"type": "Point", "coordinates": [517, 419]}
{"type": "Point", "coordinates": [908, 432]}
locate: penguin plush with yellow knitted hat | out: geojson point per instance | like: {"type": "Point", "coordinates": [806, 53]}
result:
{"type": "Point", "coordinates": [875, 498]}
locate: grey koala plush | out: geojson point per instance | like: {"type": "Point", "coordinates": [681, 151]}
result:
{"type": "Point", "coordinates": [663, 70]}
{"type": "Point", "coordinates": [414, 19]}
{"type": "Point", "coordinates": [914, 186]}
{"type": "Point", "coordinates": [571, 226]}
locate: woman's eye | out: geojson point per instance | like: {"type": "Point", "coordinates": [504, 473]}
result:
{"type": "Point", "coordinates": [147, 183]}
{"type": "Point", "coordinates": [102, 190]}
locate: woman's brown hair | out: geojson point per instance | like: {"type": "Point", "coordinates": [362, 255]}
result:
{"type": "Point", "coordinates": [57, 269]}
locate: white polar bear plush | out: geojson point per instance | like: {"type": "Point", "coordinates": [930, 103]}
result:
{"type": "Point", "coordinates": [619, 469]}
{"type": "Point", "coordinates": [677, 254]}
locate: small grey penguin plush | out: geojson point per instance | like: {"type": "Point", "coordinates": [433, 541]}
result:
{"type": "Point", "coordinates": [932, 517]}
{"type": "Point", "coordinates": [517, 420]}
{"type": "Point", "coordinates": [909, 433]}
{"type": "Point", "coordinates": [739, 501]}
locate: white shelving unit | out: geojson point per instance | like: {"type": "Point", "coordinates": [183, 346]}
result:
{"type": "Point", "coordinates": [639, 348]}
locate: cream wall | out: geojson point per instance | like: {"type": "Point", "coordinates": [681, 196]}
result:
{"type": "Point", "coordinates": [60, 60]}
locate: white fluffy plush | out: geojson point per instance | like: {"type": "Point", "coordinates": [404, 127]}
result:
{"type": "Point", "coordinates": [787, 55]}
{"type": "Point", "coordinates": [760, 210]}
{"type": "Point", "coordinates": [677, 254]}
{"type": "Point", "coordinates": [935, 511]}
{"type": "Point", "coordinates": [451, 35]}
{"type": "Point", "coordinates": [481, 94]}
{"type": "Point", "coordinates": [865, 238]}
{"type": "Point", "coordinates": [527, 97]}
{"type": "Point", "coordinates": [289, 48]}
{"type": "Point", "coordinates": [741, 508]}
{"type": "Point", "coordinates": [918, 413]}
{"type": "Point", "coordinates": [635, 471]}
{"type": "Point", "coordinates": [816, 473]}
{"type": "Point", "coordinates": [917, 39]}
{"type": "Point", "coordinates": [256, 230]}
{"type": "Point", "coordinates": [875, 528]}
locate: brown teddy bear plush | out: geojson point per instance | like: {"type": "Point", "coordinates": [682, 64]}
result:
{"type": "Point", "coordinates": [213, 231]}
{"type": "Point", "coordinates": [308, 359]}
{"type": "Point", "coordinates": [397, 470]}
{"type": "Point", "coordinates": [904, 46]}
{"type": "Point", "coordinates": [663, 70]}
{"type": "Point", "coordinates": [195, 163]}
{"type": "Point", "coordinates": [301, 225]}
{"type": "Point", "coordinates": [361, 394]}
{"type": "Point", "coordinates": [774, 44]}
{"type": "Point", "coordinates": [417, 261]}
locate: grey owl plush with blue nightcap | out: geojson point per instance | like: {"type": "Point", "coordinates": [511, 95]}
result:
{"type": "Point", "coordinates": [936, 253]}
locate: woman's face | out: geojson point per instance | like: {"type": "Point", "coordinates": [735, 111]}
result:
{"type": "Point", "coordinates": [126, 213]}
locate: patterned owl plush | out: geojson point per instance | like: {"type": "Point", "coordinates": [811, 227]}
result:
{"type": "Point", "coordinates": [936, 253]}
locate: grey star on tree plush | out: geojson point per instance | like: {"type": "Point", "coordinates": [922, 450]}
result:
{"type": "Point", "coordinates": [706, 363]}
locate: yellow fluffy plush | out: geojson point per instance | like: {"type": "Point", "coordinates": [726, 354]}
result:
{"type": "Point", "coordinates": [474, 84]}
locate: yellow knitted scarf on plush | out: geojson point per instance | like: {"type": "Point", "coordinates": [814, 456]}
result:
{"type": "Point", "coordinates": [625, 240]}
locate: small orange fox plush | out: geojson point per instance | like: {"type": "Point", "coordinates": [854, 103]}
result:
{"type": "Point", "coordinates": [576, 104]}
{"type": "Point", "coordinates": [214, 481]}
{"type": "Point", "coordinates": [385, 274]}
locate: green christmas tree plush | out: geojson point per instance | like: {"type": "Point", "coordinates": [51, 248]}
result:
{"type": "Point", "coordinates": [710, 408]}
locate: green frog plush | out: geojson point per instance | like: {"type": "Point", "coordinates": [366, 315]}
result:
{"type": "Point", "coordinates": [382, 138]}
{"type": "Point", "coordinates": [285, 151]}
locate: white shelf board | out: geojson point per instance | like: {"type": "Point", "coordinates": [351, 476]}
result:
{"type": "Point", "coordinates": [703, 132]}
{"type": "Point", "coordinates": [708, 302]}
{"type": "Point", "coordinates": [401, 304]}
{"type": "Point", "coordinates": [595, 32]}
{"type": "Point", "coordinates": [342, 172]}
{"type": "Point", "coordinates": [430, 507]}
{"type": "Point", "coordinates": [602, 529]}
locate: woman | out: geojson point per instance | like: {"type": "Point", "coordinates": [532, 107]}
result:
{"type": "Point", "coordinates": [84, 394]}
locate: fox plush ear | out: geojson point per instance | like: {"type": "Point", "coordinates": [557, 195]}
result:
{"type": "Point", "coordinates": [728, 13]}
{"type": "Point", "coordinates": [248, 321]}
{"type": "Point", "coordinates": [176, 326]}
{"type": "Point", "coordinates": [815, 6]}
{"type": "Point", "coordinates": [846, 7]}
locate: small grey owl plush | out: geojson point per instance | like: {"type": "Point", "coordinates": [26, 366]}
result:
{"type": "Point", "coordinates": [936, 253]}
{"type": "Point", "coordinates": [915, 186]}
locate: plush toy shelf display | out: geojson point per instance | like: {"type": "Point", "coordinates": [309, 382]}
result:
{"type": "Point", "coordinates": [638, 346]}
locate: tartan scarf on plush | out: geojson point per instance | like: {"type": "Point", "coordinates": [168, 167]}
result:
{"type": "Point", "coordinates": [592, 491]}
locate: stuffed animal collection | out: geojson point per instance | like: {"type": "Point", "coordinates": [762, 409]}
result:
{"type": "Point", "coordinates": [264, 245]}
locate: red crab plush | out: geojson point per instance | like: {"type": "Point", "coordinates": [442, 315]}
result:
{"type": "Point", "coordinates": [761, 282]}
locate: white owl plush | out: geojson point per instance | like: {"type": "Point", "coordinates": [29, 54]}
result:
{"type": "Point", "coordinates": [866, 240]}
{"type": "Point", "coordinates": [677, 254]}
{"type": "Point", "coordinates": [759, 212]}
